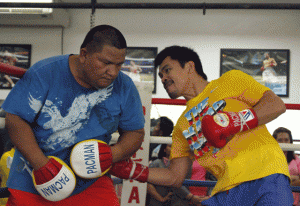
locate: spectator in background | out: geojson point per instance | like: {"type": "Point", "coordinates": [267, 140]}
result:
{"type": "Point", "coordinates": [164, 127]}
{"type": "Point", "coordinates": [5, 163]}
{"type": "Point", "coordinates": [168, 196]}
{"type": "Point", "coordinates": [198, 174]}
{"type": "Point", "coordinates": [284, 135]}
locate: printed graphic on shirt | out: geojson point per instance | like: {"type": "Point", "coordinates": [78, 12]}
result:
{"type": "Point", "coordinates": [65, 128]}
{"type": "Point", "coordinates": [25, 166]}
{"type": "Point", "coordinates": [34, 104]}
{"type": "Point", "coordinates": [193, 134]}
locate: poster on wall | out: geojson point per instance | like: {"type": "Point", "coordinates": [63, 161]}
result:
{"type": "Point", "coordinates": [17, 55]}
{"type": "Point", "coordinates": [269, 67]}
{"type": "Point", "coordinates": [139, 65]}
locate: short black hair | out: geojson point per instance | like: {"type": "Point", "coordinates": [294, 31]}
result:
{"type": "Point", "coordinates": [182, 55]}
{"type": "Point", "coordinates": [102, 35]}
{"type": "Point", "coordinates": [166, 125]}
{"type": "Point", "coordinates": [290, 154]}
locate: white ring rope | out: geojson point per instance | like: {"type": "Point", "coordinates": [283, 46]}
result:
{"type": "Point", "coordinates": [168, 140]}
{"type": "Point", "coordinates": [289, 147]}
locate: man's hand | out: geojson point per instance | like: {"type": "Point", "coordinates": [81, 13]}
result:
{"type": "Point", "coordinates": [55, 181]}
{"type": "Point", "coordinates": [196, 200]}
{"type": "Point", "coordinates": [91, 158]}
{"type": "Point", "coordinates": [167, 197]}
{"type": "Point", "coordinates": [294, 178]}
{"type": "Point", "coordinates": [128, 169]}
{"type": "Point", "coordinates": [217, 128]}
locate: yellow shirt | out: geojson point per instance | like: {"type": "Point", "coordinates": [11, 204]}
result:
{"type": "Point", "coordinates": [250, 155]}
{"type": "Point", "coordinates": [5, 163]}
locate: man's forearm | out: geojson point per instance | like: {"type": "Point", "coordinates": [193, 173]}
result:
{"type": "Point", "coordinates": [269, 108]}
{"type": "Point", "coordinates": [172, 176]}
{"type": "Point", "coordinates": [24, 140]}
{"type": "Point", "coordinates": [129, 142]}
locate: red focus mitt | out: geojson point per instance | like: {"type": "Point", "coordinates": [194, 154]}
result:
{"type": "Point", "coordinates": [55, 181]}
{"type": "Point", "coordinates": [91, 158]}
{"type": "Point", "coordinates": [219, 127]}
{"type": "Point", "coordinates": [128, 169]}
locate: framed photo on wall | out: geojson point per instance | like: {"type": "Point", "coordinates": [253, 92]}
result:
{"type": "Point", "coordinates": [269, 67]}
{"type": "Point", "coordinates": [139, 64]}
{"type": "Point", "coordinates": [17, 55]}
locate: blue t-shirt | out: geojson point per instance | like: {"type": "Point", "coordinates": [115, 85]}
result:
{"type": "Point", "coordinates": [63, 113]}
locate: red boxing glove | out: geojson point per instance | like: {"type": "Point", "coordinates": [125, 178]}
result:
{"type": "Point", "coordinates": [128, 169]}
{"type": "Point", "coordinates": [217, 128]}
{"type": "Point", "coordinates": [55, 181]}
{"type": "Point", "coordinates": [262, 69]}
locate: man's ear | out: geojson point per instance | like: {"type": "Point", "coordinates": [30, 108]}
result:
{"type": "Point", "coordinates": [82, 55]}
{"type": "Point", "coordinates": [190, 65]}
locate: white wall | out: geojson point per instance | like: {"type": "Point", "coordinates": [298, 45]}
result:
{"type": "Point", "coordinates": [207, 34]}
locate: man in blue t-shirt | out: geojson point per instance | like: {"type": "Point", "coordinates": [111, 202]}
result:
{"type": "Point", "coordinates": [64, 105]}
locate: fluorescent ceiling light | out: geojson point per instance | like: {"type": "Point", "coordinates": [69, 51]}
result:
{"type": "Point", "coordinates": [26, 1]}
{"type": "Point", "coordinates": [9, 10]}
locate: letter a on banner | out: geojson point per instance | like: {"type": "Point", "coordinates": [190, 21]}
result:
{"type": "Point", "coordinates": [134, 195]}
{"type": "Point", "coordinates": [133, 192]}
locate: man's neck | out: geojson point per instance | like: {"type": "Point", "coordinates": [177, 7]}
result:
{"type": "Point", "coordinates": [197, 86]}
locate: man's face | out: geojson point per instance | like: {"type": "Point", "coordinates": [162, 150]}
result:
{"type": "Point", "coordinates": [173, 77]}
{"type": "Point", "coordinates": [101, 68]}
{"type": "Point", "coordinates": [156, 130]}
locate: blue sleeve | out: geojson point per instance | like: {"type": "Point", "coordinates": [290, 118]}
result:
{"type": "Point", "coordinates": [24, 100]}
{"type": "Point", "coordinates": [132, 116]}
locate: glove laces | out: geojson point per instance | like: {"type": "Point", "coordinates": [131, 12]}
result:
{"type": "Point", "coordinates": [243, 122]}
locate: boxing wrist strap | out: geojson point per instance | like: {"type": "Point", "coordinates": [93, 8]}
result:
{"type": "Point", "coordinates": [142, 176]}
{"type": "Point", "coordinates": [132, 170]}
{"type": "Point", "coordinates": [128, 169]}
{"type": "Point", "coordinates": [248, 119]}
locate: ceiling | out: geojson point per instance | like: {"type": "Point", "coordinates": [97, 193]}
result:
{"type": "Point", "coordinates": [187, 1]}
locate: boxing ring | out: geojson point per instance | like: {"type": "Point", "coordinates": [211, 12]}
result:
{"type": "Point", "coordinates": [162, 140]}
{"type": "Point", "coordinates": [18, 72]}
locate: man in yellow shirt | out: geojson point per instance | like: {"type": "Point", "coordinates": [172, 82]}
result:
{"type": "Point", "coordinates": [223, 127]}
